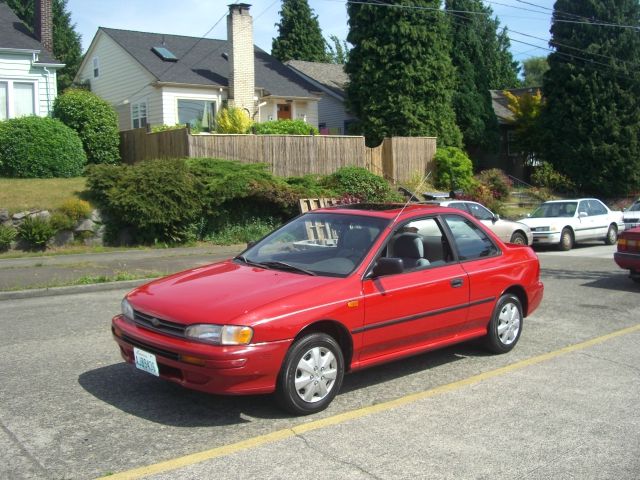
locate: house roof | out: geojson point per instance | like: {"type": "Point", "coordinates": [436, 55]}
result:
{"type": "Point", "coordinates": [15, 35]}
{"type": "Point", "coordinates": [330, 76]}
{"type": "Point", "coordinates": [500, 102]}
{"type": "Point", "coordinates": [204, 61]}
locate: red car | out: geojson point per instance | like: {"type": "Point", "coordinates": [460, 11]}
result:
{"type": "Point", "coordinates": [333, 291]}
{"type": "Point", "coordinates": [628, 254]}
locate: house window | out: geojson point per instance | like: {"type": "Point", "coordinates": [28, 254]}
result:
{"type": "Point", "coordinates": [512, 144]}
{"type": "Point", "coordinates": [198, 114]}
{"type": "Point", "coordinates": [17, 99]}
{"type": "Point", "coordinates": [139, 114]}
{"type": "Point", "coordinates": [96, 67]}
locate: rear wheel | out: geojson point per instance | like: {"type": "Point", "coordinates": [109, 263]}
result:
{"type": "Point", "coordinates": [505, 325]}
{"type": "Point", "coordinates": [311, 374]}
{"type": "Point", "coordinates": [518, 238]}
{"type": "Point", "coordinates": [566, 239]}
{"type": "Point", "coordinates": [612, 235]}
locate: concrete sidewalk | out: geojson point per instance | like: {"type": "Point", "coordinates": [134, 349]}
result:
{"type": "Point", "coordinates": [37, 276]}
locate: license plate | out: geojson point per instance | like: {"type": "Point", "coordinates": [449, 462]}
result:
{"type": "Point", "coordinates": [146, 361]}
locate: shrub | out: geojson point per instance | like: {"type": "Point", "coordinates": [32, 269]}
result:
{"type": "Point", "coordinates": [164, 128]}
{"type": "Point", "coordinates": [285, 127]}
{"type": "Point", "coordinates": [157, 200]}
{"type": "Point", "coordinates": [249, 230]}
{"type": "Point", "coordinates": [36, 232]}
{"type": "Point", "coordinates": [454, 169]}
{"type": "Point", "coordinates": [7, 235]}
{"type": "Point", "coordinates": [497, 181]}
{"type": "Point", "coordinates": [36, 147]}
{"type": "Point", "coordinates": [94, 119]}
{"type": "Point", "coordinates": [547, 177]}
{"type": "Point", "coordinates": [62, 221]}
{"type": "Point", "coordinates": [75, 209]}
{"type": "Point", "coordinates": [361, 183]}
{"type": "Point", "coordinates": [233, 120]}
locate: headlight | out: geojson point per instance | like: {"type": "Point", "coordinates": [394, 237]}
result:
{"type": "Point", "coordinates": [220, 334]}
{"type": "Point", "coordinates": [127, 309]}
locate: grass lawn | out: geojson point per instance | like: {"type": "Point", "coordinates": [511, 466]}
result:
{"type": "Point", "coordinates": [18, 194]}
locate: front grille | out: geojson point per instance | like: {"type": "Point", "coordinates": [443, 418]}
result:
{"type": "Point", "coordinates": [158, 324]}
{"type": "Point", "coordinates": [540, 229]}
{"type": "Point", "coordinates": [151, 349]}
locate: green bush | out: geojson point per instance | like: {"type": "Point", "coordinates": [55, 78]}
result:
{"type": "Point", "coordinates": [164, 128]}
{"type": "Point", "coordinates": [36, 147]}
{"type": "Point", "coordinates": [454, 169]}
{"type": "Point", "coordinates": [75, 209]}
{"type": "Point", "coordinates": [249, 230]}
{"type": "Point", "coordinates": [497, 181]}
{"type": "Point", "coordinates": [546, 176]}
{"type": "Point", "coordinates": [94, 119]}
{"type": "Point", "coordinates": [233, 120]}
{"type": "Point", "coordinates": [311, 186]}
{"type": "Point", "coordinates": [7, 235]}
{"type": "Point", "coordinates": [157, 200]}
{"type": "Point", "coordinates": [285, 127]}
{"type": "Point", "coordinates": [36, 232]}
{"type": "Point", "coordinates": [62, 221]}
{"type": "Point", "coordinates": [360, 183]}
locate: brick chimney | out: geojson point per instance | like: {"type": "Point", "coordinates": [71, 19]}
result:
{"type": "Point", "coordinates": [241, 57]}
{"type": "Point", "coordinates": [43, 27]}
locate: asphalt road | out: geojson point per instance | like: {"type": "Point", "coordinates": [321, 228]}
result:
{"type": "Point", "coordinates": [70, 408]}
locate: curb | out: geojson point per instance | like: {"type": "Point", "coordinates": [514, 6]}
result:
{"type": "Point", "coordinates": [72, 290]}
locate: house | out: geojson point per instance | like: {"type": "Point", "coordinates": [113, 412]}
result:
{"type": "Point", "coordinates": [330, 79]}
{"type": "Point", "coordinates": [156, 79]}
{"type": "Point", "coordinates": [27, 66]}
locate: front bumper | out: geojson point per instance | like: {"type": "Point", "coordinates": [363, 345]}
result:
{"type": "Point", "coordinates": [546, 238]}
{"type": "Point", "coordinates": [628, 261]}
{"type": "Point", "coordinates": [225, 370]}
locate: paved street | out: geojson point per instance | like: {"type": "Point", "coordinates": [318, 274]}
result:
{"type": "Point", "coordinates": [70, 408]}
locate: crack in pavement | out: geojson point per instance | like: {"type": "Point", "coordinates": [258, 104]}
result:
{"type": "Point", "coordinates": [23, 449]}
{"type": "Point", "coordinates": [608, 360]}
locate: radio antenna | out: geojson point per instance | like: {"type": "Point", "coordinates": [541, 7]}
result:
{"type": "Point", "coordinates": [426, 177]}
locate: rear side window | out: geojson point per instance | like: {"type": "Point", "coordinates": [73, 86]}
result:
{"type": "Point", "coordinates": [596, 208]}
{"type": "Point", "coordinates": [471, 242]}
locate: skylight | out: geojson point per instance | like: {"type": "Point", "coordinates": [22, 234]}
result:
{"type": "Point", "coordinates": [165, 54]}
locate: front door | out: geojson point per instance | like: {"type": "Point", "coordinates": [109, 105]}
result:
{"type": "Point", "coordinates": [284, 111]}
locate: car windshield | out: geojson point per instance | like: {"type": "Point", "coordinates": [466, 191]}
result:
{"type": "Point", "coordinates": [555, 209]}
{"type": "Point", "coordinates": [317, 244]}
{"type": "Point", "coordinates": [635, 207]}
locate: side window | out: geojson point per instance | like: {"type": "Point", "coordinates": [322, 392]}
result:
{"type": "Point", "coordinates": [96, 67]}
{"type": "Point", "coordinates": [596, 208]}
{"type": "Point", "coordinates": [479, 212]}
{"type": "Point", "coordinates": [420, 243]}
{"type": "Point", "coordinates": [583, 207]}
{"type": "Point", "coordinates": [471, 242]}
{"type": "Point", "coordinates": [460, 206]}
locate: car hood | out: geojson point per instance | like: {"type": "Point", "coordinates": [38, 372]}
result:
{"type": "Point", "coordinates": [228, 292]}
{"type": "Point", "coordinates": [545, 221]}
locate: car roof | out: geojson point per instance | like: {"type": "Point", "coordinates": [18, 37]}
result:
{"type": "Point", "coordinates": [571, 200]}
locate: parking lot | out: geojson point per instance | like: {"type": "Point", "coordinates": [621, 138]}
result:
{"type": "Point", "coordinates": [563, 404]}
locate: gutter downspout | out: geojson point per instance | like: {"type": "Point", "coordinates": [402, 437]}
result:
{"type": "Point", "coordinates": [48, 79]}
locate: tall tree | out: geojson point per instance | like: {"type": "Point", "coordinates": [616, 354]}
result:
{"type": "Point", "coordinates": [480, 53]}
{"type": "Point", "coordinates": [592, 91]}
{"type": "Point", "coordinates": [400, 73]}
{"type": "Point", "coordinates": [299, 34]}
{"type": "Point", "coordinates": [66, 41]}
{"type": "Point", "coordinates": [338, 52]}
{"type": "Point", "coordinates": [534, 69]}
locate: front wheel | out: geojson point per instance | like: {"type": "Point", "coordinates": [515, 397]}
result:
{"type": "Point", "coordinates": [612, 235]}
{"type": "Point", "coordinates": [311, 374]}
{"type": "Point", "coordinates": [566, 240]}
{"type": "Point", "coordinates": [518, 238]}
{"type": "Point", "coordinates": [505, 326]}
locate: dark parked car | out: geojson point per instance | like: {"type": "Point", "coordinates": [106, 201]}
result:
{"type": "Point", "coordinates": [628, 254]}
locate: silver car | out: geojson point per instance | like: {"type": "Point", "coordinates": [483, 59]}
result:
{"type": "Point", "coordinates": [508, 231]}
{"type": "Point", "coordinates": [631, 215]}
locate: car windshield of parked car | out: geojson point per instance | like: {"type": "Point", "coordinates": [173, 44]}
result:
{"type": "Point", "coordinates": [634, 208]}
{"type": "Point", "coordinates": [555, 209]}
{"type": "Point", "coordinates": [317, 244]}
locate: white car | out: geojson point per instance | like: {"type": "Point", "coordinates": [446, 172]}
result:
{"type": "Point", "coordinates": [632, 215]}
{"type": "Point", "coordinates": [565, 222]}
{"type": "Point", "coordinates": [508, 231]}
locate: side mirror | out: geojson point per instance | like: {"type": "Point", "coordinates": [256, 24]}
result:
{"type": "Point", "coordinates": [495, 218]}
{"type": "Point", "coordinates": [582, 214]}
{"type": "Point", "coordinates": [387, 266]}
{"type": "Point", "coordinates": [528, 215]}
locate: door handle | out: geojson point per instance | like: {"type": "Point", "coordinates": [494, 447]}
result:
{"type": "Point", "coordinates": [456, 282]}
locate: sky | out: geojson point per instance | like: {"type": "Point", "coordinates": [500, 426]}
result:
{"type": "Point", "coordinates": [525, 19]}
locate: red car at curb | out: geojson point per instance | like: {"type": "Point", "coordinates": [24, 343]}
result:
{"type": "Point", "coordinates": [333, 291]}
{"type": "Point", "coordinates": [627, 255]}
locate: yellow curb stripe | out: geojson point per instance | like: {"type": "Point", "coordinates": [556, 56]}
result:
{"type": "Point", "coordinates": [355, 414]}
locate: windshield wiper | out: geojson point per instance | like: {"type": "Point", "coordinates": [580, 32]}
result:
{"type": "Point", "coordinates": [244, 259]}
{"type": "Point", "coordinates": [286, 266]}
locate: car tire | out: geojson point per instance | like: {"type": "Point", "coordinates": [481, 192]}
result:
{"type": "Point", "coordinates": [317, 357]}
{"type": "Point", "coordinates": [612, 235]}
{"type": "Point", "coordinates": [518, 238]}
{"type": "Point", "coordinates": [566, 240]}
{"type": "Point", "coordinates": [505, 326]}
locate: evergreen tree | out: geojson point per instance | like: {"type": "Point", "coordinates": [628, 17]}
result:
{"type": "Point", "coordinates": [338, 52]}
{"type": "Point", "coordinates": [66, 41]}
{"type": "Point", "coordinates": [400, 73]}
{"type": "Point", "coordinates": [480, 53]}
{"type": "Point", "coordinates": [299, 34]}
{"type": "Point", "coordinates": [592, 92]}
{"type": "Point", "coordinates": [534, 69]}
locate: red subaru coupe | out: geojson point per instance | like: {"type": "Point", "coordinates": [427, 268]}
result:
{"type": "Point", "coordinates": [333, 291]}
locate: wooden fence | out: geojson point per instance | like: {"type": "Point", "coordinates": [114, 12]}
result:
{"type": "Point", "coordinates": [398, 159]}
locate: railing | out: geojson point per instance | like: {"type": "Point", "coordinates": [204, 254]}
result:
{"type": "Point", "coordinates": [517, 183]}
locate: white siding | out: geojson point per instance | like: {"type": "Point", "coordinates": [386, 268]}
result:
{"type": "Point", "coordinates": [333, 114]}
{"type": "Point", "coordinates": [121, 80]}
{"type": "Point", "coordinates": [300, 109]}
{"type": "Point", "coordinates": [20, 68]}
